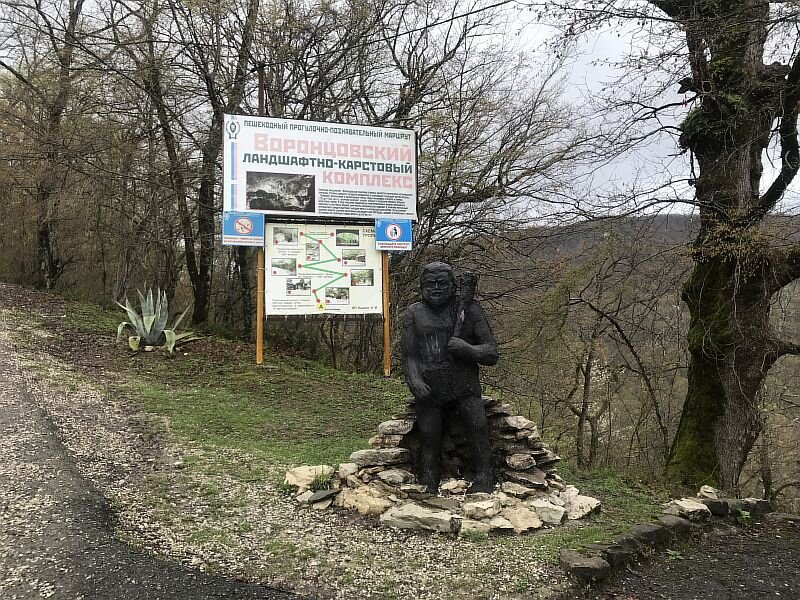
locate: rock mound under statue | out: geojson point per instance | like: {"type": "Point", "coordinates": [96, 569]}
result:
{"type": "Point", "coordinates": [380, 481]}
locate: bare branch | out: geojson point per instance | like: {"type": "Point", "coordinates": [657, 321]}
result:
{"type": "Point", "coordinates": [790, 149]}
{"type": "Point", "coordinates": [24, 80]}
{"type": "Point", "coordinates": [785, 348]}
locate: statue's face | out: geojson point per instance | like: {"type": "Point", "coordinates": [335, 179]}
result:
{"type": "Point", "coordinates": [437, 289]}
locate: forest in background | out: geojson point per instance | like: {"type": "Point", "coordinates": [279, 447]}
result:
{"type": "Point", "coordinates": [111, 129]}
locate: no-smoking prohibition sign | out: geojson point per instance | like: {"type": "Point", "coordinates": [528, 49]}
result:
{"type": "Point", "coordinates": [242, 229]}
{"type": "Point", "coordinates": [243, 226]}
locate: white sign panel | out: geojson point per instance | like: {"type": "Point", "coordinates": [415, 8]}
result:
{"type": "Point", "coordinates": [322, 269]}
{"type": "Point", "coordinates": [307, 168]}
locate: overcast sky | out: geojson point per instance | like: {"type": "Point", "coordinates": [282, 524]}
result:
{"type": "Point", "coordinates": [588, 70]}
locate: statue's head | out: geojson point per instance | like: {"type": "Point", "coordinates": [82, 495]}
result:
{"type": "Point", "coordinates": [437, 284]}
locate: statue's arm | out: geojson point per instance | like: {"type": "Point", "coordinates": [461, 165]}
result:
{"type": "Point", "coordinates": [484, 352]}
{"type": "Point", "coordinates": [412, 361]}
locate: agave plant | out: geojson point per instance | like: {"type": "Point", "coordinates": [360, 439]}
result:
{"type": "Point", "coordinates": [150, 325]}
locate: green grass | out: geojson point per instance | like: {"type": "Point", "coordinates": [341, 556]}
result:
{"type": "Point", "coordinates": [213, 394]}
{"type": "Point", "coordinates": [291, 413]}
{"type": "Point", "coordinates": [93, 318]}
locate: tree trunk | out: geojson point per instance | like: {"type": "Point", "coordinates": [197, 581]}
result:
{"type": "Point", "coordinates": [246, 286]}
{"type": "Point", "coordinates": [583, 414]}
{"type": "Point", "coordinates": [730, 340]}
{"type": "Point", "coordinates": [201, 279]}
{"type": "Point", "coordinates": [50, 263]}
{"type": "Point", "coordinates": [730, 354]}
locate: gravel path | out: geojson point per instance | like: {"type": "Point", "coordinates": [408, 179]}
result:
{"type": "Point", "coordinates": [55, 537]}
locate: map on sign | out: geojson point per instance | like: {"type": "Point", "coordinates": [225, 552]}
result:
{"type": "Point", "coordinates": [322, 269]}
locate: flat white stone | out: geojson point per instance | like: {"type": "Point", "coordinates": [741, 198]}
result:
{"type": "Point", "coordinates": [688, 509]}
{"type": "Point", "coordinates": [580, 506]}
{"type": "Point", "coordinates": [707, 491]}
{"type": "Point", "coordinates": [395, 477]}
{"type": "Point", "coordinates": [548, 512]}
{"type": "Point", "coordinates": [364, 500]}
{"type": "Point", "coordinates": [303, 476]}
{"type": "Point", "coordinates": [414, 516]}
{"type": "Point", "coordinates": [500, 524]}
{"type": "Point", "coordinates": [454, 485]}
{"type": "Point", "coordinates": [518, 422]}
{"type": "Point", "coordinates": [347, 469]}
{"type": "Point", "coordinates": [472, 526]}
{"type": "Point", "coordinates": [482, 509]}
{"type": "Point", "coordinates": [520, 462]}
{"type": "Point", "coordinates": [522, 519]}
{"type": "Point", "coordinates": [395, 427]}
{"type": "Point", "coordinates": [380, 456]}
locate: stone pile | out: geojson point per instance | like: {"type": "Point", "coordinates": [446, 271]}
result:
{"type": "Point", "coordinates": [521, 456]}
{"type": "Point", "coordinates": [380, 481]}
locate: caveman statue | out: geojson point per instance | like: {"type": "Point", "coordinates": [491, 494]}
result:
{"type": "Point", "coordinates": [445, 338]}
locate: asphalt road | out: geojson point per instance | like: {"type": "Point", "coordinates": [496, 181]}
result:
{"type": "Point", "coordinates": [55, 535]}
{"type": "Point", "coordinates": [759, 561]}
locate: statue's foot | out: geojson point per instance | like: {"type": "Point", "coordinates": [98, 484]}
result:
{"type": "Point", "coordinates": [481, 487]}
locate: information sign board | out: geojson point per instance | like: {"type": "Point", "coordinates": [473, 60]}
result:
{"type": "Point", "coordinates": [299, 169]}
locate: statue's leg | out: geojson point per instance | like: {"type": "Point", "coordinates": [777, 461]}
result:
{"type": "Point", "coordinates": [429, 422]}
{"type": "Point", "coordinates": [473, 414]}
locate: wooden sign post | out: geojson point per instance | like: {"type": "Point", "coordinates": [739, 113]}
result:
{"type": "Point", "coordinates": [387, 342]}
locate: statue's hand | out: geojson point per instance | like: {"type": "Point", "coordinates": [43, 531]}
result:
{"type": "Point", "coordinates": [459, 347]}
{"type": "Point", "coordinates": [419, 388]}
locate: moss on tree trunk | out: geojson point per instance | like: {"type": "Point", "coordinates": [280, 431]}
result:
{"type": "Point", "coordinates": [729, 358]}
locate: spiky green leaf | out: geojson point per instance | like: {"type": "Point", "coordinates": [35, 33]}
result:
{"type": "Point", "coordinates": [162, 313]}
{"type": "Point", "coordinates": [133, 317]}
{"type": "Point", "coordinates": [180, 318]}
{"type": "Point", "coordinates": [150, 336]}
{"type": "Point", "coordinates": [121, 328]}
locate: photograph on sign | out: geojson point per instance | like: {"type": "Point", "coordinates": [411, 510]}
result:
{"type": "Point", "coordinates": [312, 251]}
{"type": "Point", "coordinates": [298, 286]}
{"type": "Point", "coordinates": [354, 258]}
{"type": "Point", "coordinates": [347, 237]}
{"type": "Point", "coordinates": [283, 266]}
{"type": "Point", "coordinates": [362, 277]}
{"type": "Point", "coordinates": [328, 270]}
{"type": "Point", "coordinates": [280, 192]}
{"type": "Point", "coordinates": [290, 168]}
{"type": "Point", "coordinates": [284, 236]}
